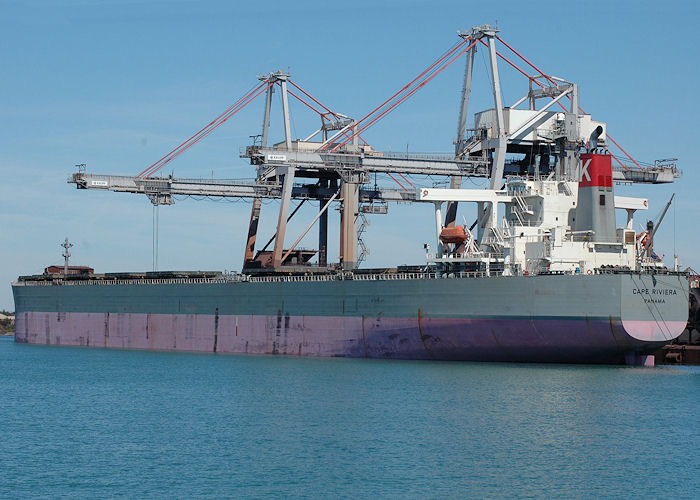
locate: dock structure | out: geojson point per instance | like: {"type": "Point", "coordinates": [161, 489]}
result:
{"type": "Point", "coordinates": [334, 165]}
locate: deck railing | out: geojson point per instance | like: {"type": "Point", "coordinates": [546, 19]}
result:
{"type": "Point", "coordinates": [341, 276]}
{"type": "Point", "coordinates": [240, 278]}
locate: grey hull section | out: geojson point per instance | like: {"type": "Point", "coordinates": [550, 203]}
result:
{"type": "Point", "coordinates": [592, 319]}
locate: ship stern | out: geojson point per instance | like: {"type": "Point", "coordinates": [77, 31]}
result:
{"type": "Point", "coordinates": [653, 312]}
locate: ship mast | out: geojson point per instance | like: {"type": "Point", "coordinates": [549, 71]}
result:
{"type": "Point", "coordinates": [66, 255]}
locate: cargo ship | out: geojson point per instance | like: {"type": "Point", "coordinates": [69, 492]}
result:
{"type": "Point", "coordinates": [602, 318]}
{"type": "Point", "coordinates": [542, 275]}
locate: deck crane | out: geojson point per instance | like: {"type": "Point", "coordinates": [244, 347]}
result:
{"type": "Point", "coordinates": [334, 163]}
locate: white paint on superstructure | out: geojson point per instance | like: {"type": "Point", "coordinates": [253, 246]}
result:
{"type": "Point", "coordinates": [535, 234]}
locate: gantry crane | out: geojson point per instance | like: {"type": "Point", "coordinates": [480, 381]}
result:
{"type": "Point", "coordinates": [334, 164]}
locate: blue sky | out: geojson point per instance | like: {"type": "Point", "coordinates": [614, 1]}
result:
{"type": "Point", "coordinates": [116, 84]}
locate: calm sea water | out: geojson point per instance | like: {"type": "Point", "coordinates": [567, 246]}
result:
{"type": "Point", "coordinates": [106, 423]}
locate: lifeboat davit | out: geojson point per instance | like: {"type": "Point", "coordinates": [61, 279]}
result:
{"type": "Point", "coordinates": [455, 234]}
{"type": "Point", "coordinates": [643, 237]}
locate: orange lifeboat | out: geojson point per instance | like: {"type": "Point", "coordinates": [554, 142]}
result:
{"type": "Point", "coordinates": [455, 234]}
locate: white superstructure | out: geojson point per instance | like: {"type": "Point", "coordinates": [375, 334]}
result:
{"type": "Point", "coordinates": [536, 232]}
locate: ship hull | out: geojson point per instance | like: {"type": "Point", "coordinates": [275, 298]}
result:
{"type": "Point", "coordinates": [576, 319]}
